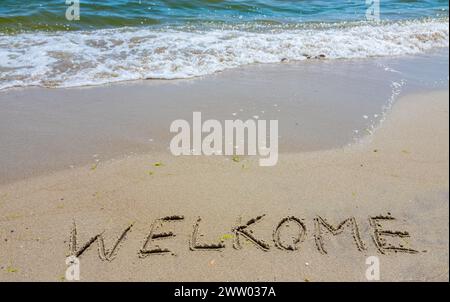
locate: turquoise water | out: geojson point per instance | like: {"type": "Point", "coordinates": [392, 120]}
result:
{"type": "Point", "coordinates": [121, 40]}
{"type": "Point", "coordinates": [50, 14]}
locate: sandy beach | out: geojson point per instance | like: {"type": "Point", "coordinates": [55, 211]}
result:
{"type": "Point", "coordinates": [222, 148]}
{"type": "Point", "coordinates": [315, 216]}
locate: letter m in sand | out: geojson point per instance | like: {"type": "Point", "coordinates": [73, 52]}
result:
{"type": "Point", "coordinates": [321, 225]}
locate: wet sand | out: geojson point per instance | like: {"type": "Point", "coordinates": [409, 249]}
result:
{"type": "Point", "coordinates": [319, 104]}
{"type": "Point", "coordinates": [392, 189]}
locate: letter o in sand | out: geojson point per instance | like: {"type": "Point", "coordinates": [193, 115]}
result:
{"type": "Point", "coordinates": [297, 240]}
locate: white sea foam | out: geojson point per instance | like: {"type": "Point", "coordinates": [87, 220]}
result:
{"type": "Point", "coordinates": [64, 59]}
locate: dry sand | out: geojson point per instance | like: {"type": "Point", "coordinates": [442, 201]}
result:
{"type": "Point", "coordinates": [401, 171]}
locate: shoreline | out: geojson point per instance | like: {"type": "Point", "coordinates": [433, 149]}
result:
{"type": "Point", "coordinates": [435, 52]}
{"type": "Point", "coordinates": [81, 126]}
{"type": "Point", "coordinates": [140, 53]}
{"type": "Point", "coordinates": [400, 172]}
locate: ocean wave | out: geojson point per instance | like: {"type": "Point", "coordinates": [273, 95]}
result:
{"type": "Point", "coordinates": [68, 59]}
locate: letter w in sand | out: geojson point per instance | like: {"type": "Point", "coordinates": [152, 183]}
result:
{"type": "Point", "coordinates": [103, 253]}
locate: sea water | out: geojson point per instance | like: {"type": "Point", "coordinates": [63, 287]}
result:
{"type": "Point", "coordinates": [121, 40]}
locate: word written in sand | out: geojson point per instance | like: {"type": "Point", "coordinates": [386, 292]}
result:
{"type": "Point", "coordinates": [322, 232]}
